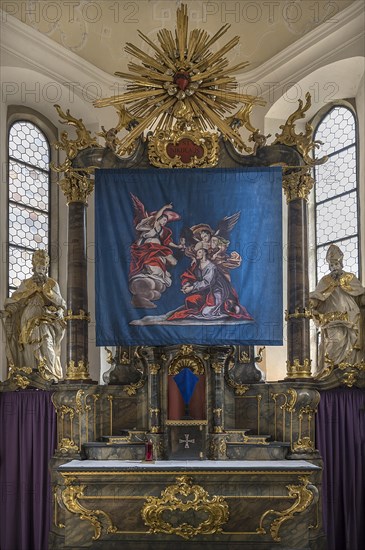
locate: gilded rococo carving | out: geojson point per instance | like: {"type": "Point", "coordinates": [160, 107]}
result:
{"type": "Point", "coordinates": [180, 498]}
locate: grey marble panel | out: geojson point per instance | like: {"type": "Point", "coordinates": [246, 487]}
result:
{"type": "Point", "coordinates": [239, 451]}
{"type": "Point", "coordinates": [102, 451]}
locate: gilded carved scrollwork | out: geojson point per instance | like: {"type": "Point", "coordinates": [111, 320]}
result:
{"type": "Point", "coordinates": [178, 500]}
{"type": "Point", "coordinates": [304, 495]}
{"type": "Point", "coordinates": [129, 368]}
{"type": "Point", "coordinates": [67, 446]}
{"type": "Point", "coordinates": [112, 141]}
{"type": "Point", "coordinates": [239, 388]}
{"type": "Point", "coordinates": [166, 148]}
{"type": "Point", "coordinates": [299, 313]}
{"type": "Point", "coordinates": [17, 376]}
{"type": "Point", "coordinates": [186, 358]}
{"type": "Point", "coordinates": [80, 401]}
{"type": "Point", "coordinates": [80, 316]}
{"type": "Point", "coordinates": [303, 445]}
{"type": "Point", "coordinates": [295, 422]}
{"type": "Point", "coordinates": [76, 418]}
{"type": "Point", "coordinates": [76, 184]}
{"type": "Point", "coordinates": [302, 141]}
{"type": "Point", "coordinates": [244, 357]}
{"type": "Point", "coordinates": [21, 381]}
{"type": "Point", "coordinates": [131, 389]}
{"type": "Point", "coordinates": [348, 374]}
{"type": "Point", "coordinates": [286, 403]}
{"type": "Point", "coordinates": [70, 497]}
{"type": "Point", "coordinates": [83, 136]}
{"type": "Point", "coordinates": [242, 119]}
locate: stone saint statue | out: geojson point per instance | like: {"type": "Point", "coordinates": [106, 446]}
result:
{"type": "Point", "coordinates": [34, 323]}
{"type": "Point", "coordinates": [337, 307]}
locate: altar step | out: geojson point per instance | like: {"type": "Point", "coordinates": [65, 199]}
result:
{"type": "Point", "coordinates": [113, 451]}
{"type": "Point", "coordinates": [239, 445]}
{"type": "Point", "coordinates": [274, 450]}
{"type": "Point", "coordinates": [242, 445]}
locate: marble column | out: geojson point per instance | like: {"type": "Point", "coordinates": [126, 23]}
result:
{"type": "Point", "coordinates": [297, 185]}
{"type": "Point", "coordinates": [218, 397]}
{"type": "Point", "coordinates": [154, 398]}
{"type": "Point", "coordinates": [77, 187]}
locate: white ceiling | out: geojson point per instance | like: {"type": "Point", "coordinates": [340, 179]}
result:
{"type": "Point", "coordinates": [97, 31]}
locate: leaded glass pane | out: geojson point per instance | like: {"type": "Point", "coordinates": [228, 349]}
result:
{"type": "Point", "coordinates": [337, 175]}
{"type": "Point", "coordinates": [28, 144]}
{"type": "Point", "coordinates": [337, 130]}
{"type": "Point", "coordinates": [337, 218]}
{"type": "Point", "coordinates": [20, 266]}
{"type": "Point", "coordinates": [28, 208]}
{"type": "Point", "coordinates": [349, 248]}
{"type": "Point", "coordinates": [27, 227]}
{"type": "Point", "coordinates": [28, 186]}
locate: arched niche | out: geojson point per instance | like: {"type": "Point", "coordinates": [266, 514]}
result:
{"type": "Point", "coordinates": [197, 406]}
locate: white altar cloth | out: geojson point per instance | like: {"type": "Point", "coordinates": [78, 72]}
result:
{"type": "Point", "coordinates": [171, 465]}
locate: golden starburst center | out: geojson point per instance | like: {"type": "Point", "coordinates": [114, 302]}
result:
{"type": "Point", "coordinates": [182, 80]}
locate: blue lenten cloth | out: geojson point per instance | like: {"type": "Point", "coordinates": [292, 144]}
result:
{"type": "Point", "coordinates": [186, 382]}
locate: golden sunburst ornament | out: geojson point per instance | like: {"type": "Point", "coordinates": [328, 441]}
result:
{"type": "Point", "coordinates": [184, 81]}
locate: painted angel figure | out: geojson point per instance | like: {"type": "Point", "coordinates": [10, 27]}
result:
{"type": "Point", "coordinates": [216, 242]}
{"type": "Point", "coordinates": [151, 254]}
{"type": "Point", "coordinates": [207, 283]}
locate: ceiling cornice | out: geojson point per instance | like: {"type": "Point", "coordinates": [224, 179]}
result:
{"type": "Point", "coordinates": [40, 54]}
{"type": "Point", "coordinates": [350, 24]}
{"type": "Point", "coordinates": [71, 67]}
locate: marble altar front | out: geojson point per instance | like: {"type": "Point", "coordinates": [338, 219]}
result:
{"type": "Point", "coordinates": [218, 504]}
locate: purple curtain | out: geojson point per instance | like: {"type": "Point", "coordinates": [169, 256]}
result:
{"type": "Point", "coordinates": [340, 430]}
{"type": "Point", "coordinates": [27, 442]}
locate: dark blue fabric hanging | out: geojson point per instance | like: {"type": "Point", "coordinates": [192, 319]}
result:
{"type": "Point", "coordinates": [186, 381]}
{"type": "Point", "coordinates": [189, 256]}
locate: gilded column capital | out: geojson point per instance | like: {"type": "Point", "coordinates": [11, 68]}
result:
{"type": "Point", "coordinates": [297, 184]}
{"type": "Point", "coordinates": [154, 368]}
{"type": "Point", "coordinates": [77, 371]}
{"type": "Point", "coordinates": [298, 369]}
{"type": "Point", "coordinates": [217, 367]}
{"type": "Point", "coordinates": [76, 184]}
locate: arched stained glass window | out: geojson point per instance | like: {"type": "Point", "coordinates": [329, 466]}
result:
{"type": "Point", "coordinates": [29, 198]}
{"type": "Point", "coordinates": [336, 192]}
